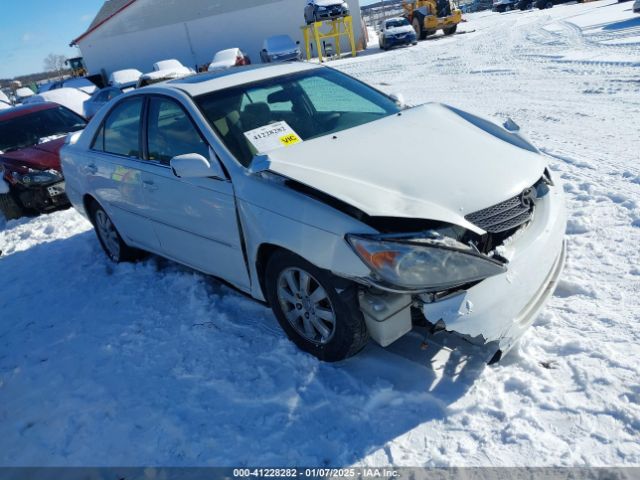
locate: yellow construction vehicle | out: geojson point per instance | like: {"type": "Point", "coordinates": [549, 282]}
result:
{"type": "Point", "coordinates": [429, 16]}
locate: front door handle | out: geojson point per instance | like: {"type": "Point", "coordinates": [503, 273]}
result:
{"type": "Point", "coordinates": [90, 169]}
{"type": "Point", "coordinates": [149, 185]}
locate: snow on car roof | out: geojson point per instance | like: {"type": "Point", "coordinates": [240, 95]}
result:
{"type": "Point", "coordinates": [209, 82]}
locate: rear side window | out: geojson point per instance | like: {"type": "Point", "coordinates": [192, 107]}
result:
{"type": "Point", "coordinates": [171, 132]}
{"type": "Point", "coordinates": [120, 134]}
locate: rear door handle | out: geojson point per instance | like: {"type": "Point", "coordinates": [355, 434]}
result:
{"type": "Point", "coordinates": [149, 185]}
{"type": "Point", "coordinates": [90, 169]}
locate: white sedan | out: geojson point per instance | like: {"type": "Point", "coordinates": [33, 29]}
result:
{"type": "Point", "coordinates": [352, 216]}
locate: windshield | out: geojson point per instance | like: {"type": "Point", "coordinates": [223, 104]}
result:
{"type": "Point", "coordinates": [281, 42]}
{"type": "Point", "coordinates": [28, 130]}
{"type": "Point", "coordinates": [401, 22]}
{"type": "Point", "coordinates": [313, 104]}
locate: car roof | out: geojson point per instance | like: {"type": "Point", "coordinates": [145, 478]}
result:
{"type": "Point", "coordinates": [21, 110]}
{"type": "Point", "coordinates": [213, 81]}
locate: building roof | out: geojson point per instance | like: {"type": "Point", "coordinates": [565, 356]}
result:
{"type": "Point", "coordinates": [109, 9]}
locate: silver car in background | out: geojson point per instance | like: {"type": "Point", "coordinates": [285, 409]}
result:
{"type": "Point", "coordinates": [288, 181]}
{"type": "Point", "coordinates": [280, 48]}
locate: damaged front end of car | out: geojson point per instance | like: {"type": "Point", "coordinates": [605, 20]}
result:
{"type": "Point", "coordinates": [36, 190]}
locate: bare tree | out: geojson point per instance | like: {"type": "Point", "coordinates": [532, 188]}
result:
{"type": "Point", "coordinates": [55, 63]}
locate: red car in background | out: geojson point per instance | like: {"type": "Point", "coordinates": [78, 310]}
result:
{"type": "Point", "coordinates": [31, 136]}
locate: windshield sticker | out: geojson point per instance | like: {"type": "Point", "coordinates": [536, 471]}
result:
{"type": "Point", "coordinates": [272, 136]}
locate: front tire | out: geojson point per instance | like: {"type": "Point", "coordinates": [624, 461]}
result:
{"type": "Point", "coordinates": [418, 26]}
{"type": "Point", "coordinates": [110, 239]}
{"type": "Point", "coordinates": [308, 307]}
{"type": "Point", "coordinates": [10, 208]}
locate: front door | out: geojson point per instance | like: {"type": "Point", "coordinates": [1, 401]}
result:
{"type": "Point", "coordinates": [194, 218]}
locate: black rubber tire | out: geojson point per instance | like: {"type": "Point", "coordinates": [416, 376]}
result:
{"type": "Point", "coordinates": [418, 26]}
{"type": "Point", "coordinates": [450, 30]}
{"type": "Point", "coordinates": [548, 5]}
{"type": "Point", "coordinates": [351, 333]}
{"type": "Point", "coordinates": [126, 253]}
{"type": "Point", "coordinates": [10, 208]}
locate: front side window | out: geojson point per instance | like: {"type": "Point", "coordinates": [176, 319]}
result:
{"type": "Point", "coordinates": [171, 132]}
{"type": "Point", "coordinates": [121, 130]}
{"type": "Point", "coordinates": [313, 103]}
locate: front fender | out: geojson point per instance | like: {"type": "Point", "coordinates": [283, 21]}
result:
{"type": "Point", "coordinates": [274, 214]}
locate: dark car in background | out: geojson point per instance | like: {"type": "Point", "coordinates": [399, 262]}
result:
{"type": "Point", "coordinates": [30, 140]}
{"type": "Point", "coordinates": [320, 10]}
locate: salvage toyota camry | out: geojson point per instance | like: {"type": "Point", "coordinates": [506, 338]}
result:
{"type": "Point", "coordinates": [312, 191]}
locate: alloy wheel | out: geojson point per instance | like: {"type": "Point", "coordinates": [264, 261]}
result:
{"type": "Point", "coordinates": [306, 305]}
{"type": "Point", "coordinates": [108, 234]}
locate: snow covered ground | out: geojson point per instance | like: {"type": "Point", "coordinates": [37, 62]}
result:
{"type": "Point", "coordinates": [153, 364]}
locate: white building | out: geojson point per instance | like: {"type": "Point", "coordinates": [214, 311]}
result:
{"type": "Point", "coordinates": [137, 33]}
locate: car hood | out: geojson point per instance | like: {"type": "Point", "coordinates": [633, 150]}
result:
{"type": "Point", "coordinates": [44, 156]}
{"type": "Point", "coordinates": [402, 29]}
{"type": "Point", "coordinates": [430, 162]}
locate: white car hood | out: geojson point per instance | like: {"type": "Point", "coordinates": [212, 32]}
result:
{"type": "Point", "coordinates": [402, 29]}
{"type": "Point", "coordinates": [429, 162]}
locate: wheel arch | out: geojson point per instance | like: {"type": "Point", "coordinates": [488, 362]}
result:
{"type": "Point", "coordinates": [88, 202]}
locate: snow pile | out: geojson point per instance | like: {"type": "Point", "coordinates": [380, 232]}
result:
{"type": "Point", "coordinates": [153, 364]}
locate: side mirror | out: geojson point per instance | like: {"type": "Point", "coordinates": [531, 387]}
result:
{"type": "Point", "coordinates": [194, 165]}
{"type": "Point", "coordinates": [398, 98]}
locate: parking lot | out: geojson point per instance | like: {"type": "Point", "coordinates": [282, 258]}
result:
{"type": "Point", "coordinates": [97, 357]}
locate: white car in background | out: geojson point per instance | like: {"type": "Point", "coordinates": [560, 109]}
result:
{"type": "Point", "coordinates": [172, 65]}
{"type": "Point", "coordinates": [72, 98]}
{"type": "Point", "coordinates": [23, 93]}
{"type": "Point", "coordinates": [232, 57]}
{"type": "Point", "coordinates": [288, 182]}
{"type": "Point", "coordinates": [163, 71]}
{"type": "Point", "coordinates": [126, 79]}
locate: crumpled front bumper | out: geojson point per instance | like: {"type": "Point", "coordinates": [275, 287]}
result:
{"type": "Point", "coordinates": [498, 310]}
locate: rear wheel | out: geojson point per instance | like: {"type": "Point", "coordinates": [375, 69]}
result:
{"type": "Point", "coordinates": [306, 302]}
{"type": "Point", "coordinates": [9, 207]}
{"type": "Point", "coordinates": [548, 5]}
{"type": "Point", "coordinates": [450, 30]}
{"type": "Point", "coordinates": [110, 239]}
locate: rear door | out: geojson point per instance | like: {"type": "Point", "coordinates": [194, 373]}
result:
{"type": "Point", "coordinates": [114, 173]}
{"type": "Point", "coordinates": [194, 218]}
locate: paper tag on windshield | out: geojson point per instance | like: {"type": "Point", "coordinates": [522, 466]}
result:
{"type": "Point", "coordinates": [272, 136]}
